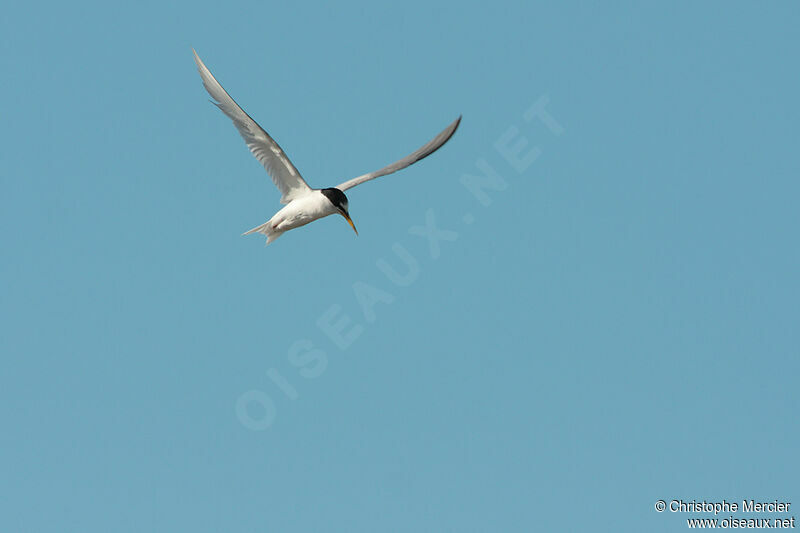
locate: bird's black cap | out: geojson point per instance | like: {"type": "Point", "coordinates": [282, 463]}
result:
{"type": "Point", "coordinates": [336, 197]}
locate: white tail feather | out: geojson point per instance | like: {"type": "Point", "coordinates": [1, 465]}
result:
{"type": "Point", "coordinates": [265, 229]}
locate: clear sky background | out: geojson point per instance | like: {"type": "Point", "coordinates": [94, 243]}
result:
{"type": "Point", "coordinates": [618, 325]}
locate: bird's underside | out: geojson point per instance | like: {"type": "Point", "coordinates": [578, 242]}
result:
{"type": "Point", "coordinates": [303, 204]}
{"type": "Point", "coordinates": [297, 213]}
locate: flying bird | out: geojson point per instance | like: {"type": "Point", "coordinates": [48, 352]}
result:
{"type": "Point", "coordinates": [303, 204]}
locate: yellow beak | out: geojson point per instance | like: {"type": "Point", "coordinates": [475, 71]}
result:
{"type": "Point", "coordinates": [347, 217]}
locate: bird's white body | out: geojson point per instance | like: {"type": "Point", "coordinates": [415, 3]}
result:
{"type": "Point", "coordinates": [303, 204]}
{"type": "Point", "coordinates": [299, 212]}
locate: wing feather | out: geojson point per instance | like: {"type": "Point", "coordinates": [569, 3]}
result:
{"type": "Point", "coordinates": [283, 173]}
{"type": "Point", "coordinates": [423, 152]}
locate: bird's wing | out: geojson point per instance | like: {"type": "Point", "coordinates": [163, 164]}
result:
{"type": "Point", "coordinates": [264, 148]}
{"type": "Point", "coordinates": [433, 145]}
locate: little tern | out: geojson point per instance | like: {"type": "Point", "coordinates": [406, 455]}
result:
{"type": "Point", "coordinates": [303, 204]}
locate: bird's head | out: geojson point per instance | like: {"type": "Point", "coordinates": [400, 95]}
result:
{"type": "Point", "coordinates": [339, 201]}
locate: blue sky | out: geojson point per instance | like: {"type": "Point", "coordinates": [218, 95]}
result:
{"type": "Point", "coordinates": [614, 323]}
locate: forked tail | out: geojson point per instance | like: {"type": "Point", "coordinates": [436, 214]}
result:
{"type": "Point", "coordinates": [265, 229]}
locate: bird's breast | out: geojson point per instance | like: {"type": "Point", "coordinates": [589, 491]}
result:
{"type": "Point", "coordinates": [303, 210]}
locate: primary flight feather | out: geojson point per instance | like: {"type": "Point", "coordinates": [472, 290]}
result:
{"type": "Point", "coordinates": [303, 204]}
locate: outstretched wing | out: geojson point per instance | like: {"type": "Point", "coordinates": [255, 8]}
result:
{"type": "Point", "coordinates": [410, 159]}
{"type": "Point", "coordinates": [264, 148]}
